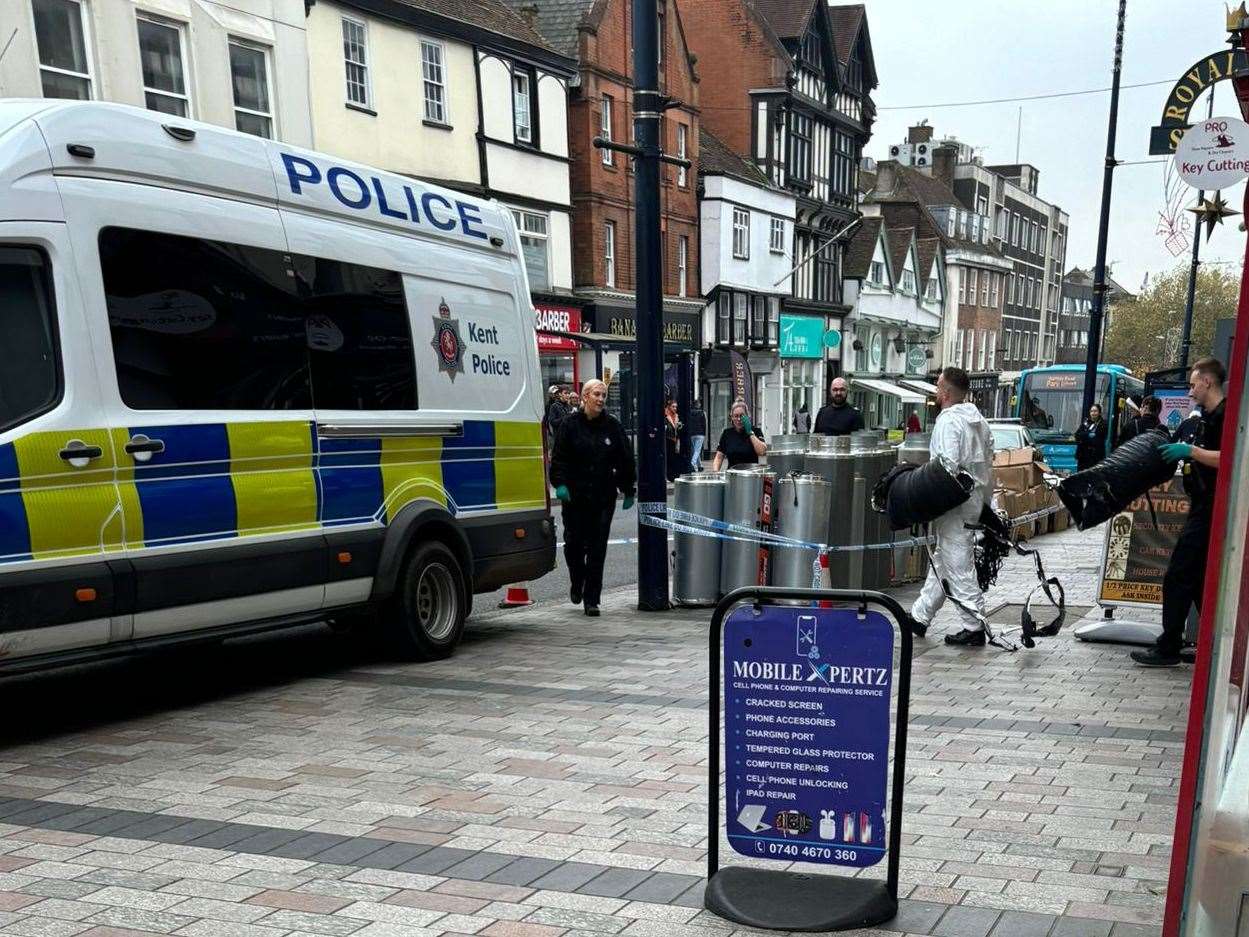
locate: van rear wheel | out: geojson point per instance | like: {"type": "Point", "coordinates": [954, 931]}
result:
{"type": "Point", "coordinates": [427, 613]}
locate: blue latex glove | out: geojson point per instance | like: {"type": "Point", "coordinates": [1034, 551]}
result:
{"type": "Point", "coordinates": [627, 503]}
{"type": "Point", "coordinates": [562, 492]}
{"type": "Point", "coordinates": [746, 425]}
{"type": "Point", "coordinates": [1175, 451]}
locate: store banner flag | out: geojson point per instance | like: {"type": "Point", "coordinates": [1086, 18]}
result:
{"type": "Point", "coordinates": [743, 383]}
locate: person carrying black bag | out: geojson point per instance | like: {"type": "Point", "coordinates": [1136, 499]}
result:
{"type": "Point", "coordinates": [1145, 421]}
{"type": "Point", "coordinates": [1091, 439]}
{"type": "Point", "coordinates": [1184, 580]}
{"type": "Point", "coordinates": [591, 462]}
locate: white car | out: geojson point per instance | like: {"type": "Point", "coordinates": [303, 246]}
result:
{"type": "Point", "coordinates": [1009, 434]}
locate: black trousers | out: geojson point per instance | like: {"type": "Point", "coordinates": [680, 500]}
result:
{"type": "Point", "coordinates": [1184, 580]}
{"type": "Point", "coordinates": [587, 525]}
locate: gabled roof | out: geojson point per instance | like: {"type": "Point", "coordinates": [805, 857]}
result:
{"type": "Point", "coordinates": [927, 250]}
{"type": "Point", "coordinates": [849, 24]}
{"type": "Point", "coordinates": [861, 249]}
{"type": "Point", "coordinates": [899, 241]}
{"type": "Point", "coordinates": [788, 18]}
{"type": "Point", "coordinates": [557, 20]}
{"type": "Point", "coordinates": [928, 193]}
{"type": "Point", "coordinates": [493, 16]}
{"type": "Point", "coordinates": [1079, 277]}
{"type": "Point", "coordinates": [716, 159]}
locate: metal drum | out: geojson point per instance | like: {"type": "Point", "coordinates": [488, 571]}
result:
{"type": "Point", "coordinates": [743, 497]}
{"type": "Point", "coordinates": [869, 461]}
{"type": "Point", "coordinates": [836, 466]}
{"type": "Point", "coordinates": [820, 442]}
{"type": "Point", "coordinates": [696, 576]}
{"type": "Point", "coordinates": [801, 507]}
{"type": "Point", "coordinates": [786, 453]}
{"type": "Point", "coordinates": [910, 564]}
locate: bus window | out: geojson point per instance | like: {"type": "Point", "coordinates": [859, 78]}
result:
{"type": "Point", "coordinates": [1052, 402]}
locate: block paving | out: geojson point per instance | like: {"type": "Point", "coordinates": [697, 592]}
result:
{"type": "Point", "coordinates": [550, 781]}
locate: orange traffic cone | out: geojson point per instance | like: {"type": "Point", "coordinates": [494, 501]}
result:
{"type": "Point", "coordinates": [517, 596]}
{"type": "Point", "coordinates": [826, 579]}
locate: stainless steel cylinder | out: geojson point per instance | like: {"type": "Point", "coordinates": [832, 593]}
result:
{"type": "Point", "coordinates": [836, 468]}
{"type": "Point", "coordinates": [696, 576]}
{"type": "Point", "coordinates": [801, 508]}
{"type": "Point", "coordinates": [910, 564]}
{"type": "Point", "coordinates": [743, 501]}
{"type": "Point", "coordinates": [820, 442]}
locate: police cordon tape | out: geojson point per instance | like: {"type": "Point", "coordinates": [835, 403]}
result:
{"type": "Point", "coordinates": [659, 514]}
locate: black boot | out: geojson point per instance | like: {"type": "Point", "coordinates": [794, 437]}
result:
{"type": "Point", "coordinates": [591, 610]}
{"type": "Point", "coordinates": [1155, 657]}
{"type": "Point", "coordinates": [918, 628]}
{"type": "Point", "coordinates": [966, 638]}
{"type": "Point", "coordinates": [574, 594]}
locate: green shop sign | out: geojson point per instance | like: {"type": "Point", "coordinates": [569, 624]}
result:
{"type": "Point", "coordinates": [802, 336]}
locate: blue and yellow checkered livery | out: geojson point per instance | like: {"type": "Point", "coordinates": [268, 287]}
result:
{"type": "Point", "coordinates": [228, 480]}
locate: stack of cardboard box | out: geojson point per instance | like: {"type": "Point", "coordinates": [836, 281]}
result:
{"type": "Point", "coordinates": [1020, 489]}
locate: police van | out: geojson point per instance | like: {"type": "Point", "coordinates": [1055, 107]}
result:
{"type": "Point", "coordinates": [246, 386]}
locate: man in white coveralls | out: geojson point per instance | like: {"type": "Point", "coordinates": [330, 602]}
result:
{"type": "Point", "coordinates": [961, 437]}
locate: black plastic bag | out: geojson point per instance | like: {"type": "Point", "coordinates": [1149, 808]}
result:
{"type": "Point", "coordinates": [916, 494]}
{"type": "Point", "coordinates": [1103, 490]}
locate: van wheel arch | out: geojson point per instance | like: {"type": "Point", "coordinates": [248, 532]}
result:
{"type": "Point", "coordinates": [415, 523]}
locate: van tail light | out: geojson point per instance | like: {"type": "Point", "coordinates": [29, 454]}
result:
{"type": "Point", "coordinates": [546, 471]}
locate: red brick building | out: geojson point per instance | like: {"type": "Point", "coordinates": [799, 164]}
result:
{"type": "Point", "coordinates": [787, 84]}
{"type": "Point", "coordinates": [598, 34]}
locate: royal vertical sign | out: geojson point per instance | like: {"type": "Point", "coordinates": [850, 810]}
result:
{"type": "Point", "coordinates": [807, 729]}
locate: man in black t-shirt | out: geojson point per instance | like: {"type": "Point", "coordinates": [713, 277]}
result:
{"type": "Point", "coordinates": [1184, 580]}
{"type": "Point", "coordinates": [838, 418]}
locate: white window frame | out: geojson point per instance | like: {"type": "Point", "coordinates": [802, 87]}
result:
{"type": "Point", "coordinates": [984, 287]}
{"type": "Point", "coordinates": [84, 21]}
{"type": "Point", "coordinates": [519, 75]}
{"type": "Point", "coordinates": [909, 284]}
{"type": "Point", "coordinates": [267, 53]}
{"type": "Point", "coordinates": [993, 292]}
{"type": "Point", "coordinates": [519, 215]}
{"type": "Point", "coordinates": [741, 232]}
{"type": "Point", "coordinates": [962, 284]}
{"type": "Point", "coordinates": [683, 259]}
{"type": "Point", "coordinates": [932, 289]}
{"type": "Point", "coordinates": [682, 146]}
{"type": "Point", "coordinates": [876, 267]}
{"type": "Point", "coordinates": [609, 254]}
{"type": "Point", "coordinates": [440, 84]}
{"type": "Point", "coordinates": [776, 236]}
{"type": "Point", "coordinates": [973, 286]}
{"type": "Point", "coordinates": [182, 29]}
{"type": "Point", "coordinates": [367, 84]}
{"type": "Point", "coordinates": [605, 127]}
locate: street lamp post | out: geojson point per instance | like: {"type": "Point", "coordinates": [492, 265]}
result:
{"type": "Point", "coordinates": [1103, 230]}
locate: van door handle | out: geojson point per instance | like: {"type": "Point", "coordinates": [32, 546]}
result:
{"type": "Point", "coordinates": [143, 448]}
{"type": "Point", "coordinates": [77, 453]}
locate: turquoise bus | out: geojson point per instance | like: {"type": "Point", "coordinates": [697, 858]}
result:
{"type": "Point", "coordinates": [1049, 402]}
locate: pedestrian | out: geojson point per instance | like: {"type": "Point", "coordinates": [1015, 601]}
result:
{"type": "Point", "coordinates": [802, 420]}
{"type": "Point", "coordinates": [556, 411]}
{"type": "Point", "coordinates": [960, 437]}
{"type": "Point", "coordinates": [1184, 580]}
{"type": "Point", "coordinates": [741, 443]}
{"type": "Point", "coordinates": [672, 441]}
{"type": "Point", "coordinates": [1147, 420]}
{"type": "Point", "coordinates": [912, 423]}
{"type": "Point", "coordinates": [837, 417]}
{"type": "Point", "coordinates": [1091, 439]}
{"type": "Point", "coordinates": [592, 461]}
{"type": "Point", "coordinates": [697, 426]}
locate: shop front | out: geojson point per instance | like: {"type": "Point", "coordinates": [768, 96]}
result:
{"type": "Point", "coordinates": [802, 350]}
{"type": "Point", "coordinates": [616, 327]}
{"type": "Point", "coordinates": [557, 355]}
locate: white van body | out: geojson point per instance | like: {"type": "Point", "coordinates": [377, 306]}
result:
{"type": "Point", "coordinates": [250, 385]}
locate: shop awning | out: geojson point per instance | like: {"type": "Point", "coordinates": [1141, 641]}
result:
{"type": "Point", "coordinates": [884, 387]}
{"type": "Point", "coordinates": [922, 386]}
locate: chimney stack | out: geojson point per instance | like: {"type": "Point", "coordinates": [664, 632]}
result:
{"type": "Point", "coordinates": [920, 133]}
{"type": "Point", "coordinates": [944, 159]}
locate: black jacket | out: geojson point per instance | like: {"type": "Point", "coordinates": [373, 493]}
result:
{"type": "Point", "coordinates": [1090, 443]}
{"type": "Point", "coordinates": [556, 413]}
{"type": "Point", "coordinates": [1138, 425]}
{"type": "Point", "coordinates": [838, 421]}
{"type": "Point", "coordinates": [696, 425]}
{"type": "Point", "coordinates": [593, 458]}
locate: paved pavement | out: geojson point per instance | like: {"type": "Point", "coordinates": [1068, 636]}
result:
{"type": "Point", "coordinates": [549, 781]}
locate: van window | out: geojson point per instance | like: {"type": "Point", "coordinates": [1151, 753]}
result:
{"type": "Point", "coordinates": [359, 340]}
{"type": "Point", "coordinates": [30, 380]}
{"type": "Point", "coordinates": [203, 325]}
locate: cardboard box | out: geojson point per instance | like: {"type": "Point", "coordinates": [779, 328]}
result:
{"type": "Point", "coordinates": [1016, 477]}
{"type": "Point", "coordinates": [1023, 456]}
{"type": "Point", "coordinates": [1015, 503]}
{"type": "Point", "coordinates": [1062, 520]}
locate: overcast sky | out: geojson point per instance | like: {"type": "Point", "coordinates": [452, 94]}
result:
{"type": "Point", "coordinates": [972, 50]}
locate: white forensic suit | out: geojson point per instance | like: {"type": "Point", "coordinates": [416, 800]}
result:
{"type": "Point", "coordinates": [962, 437]}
